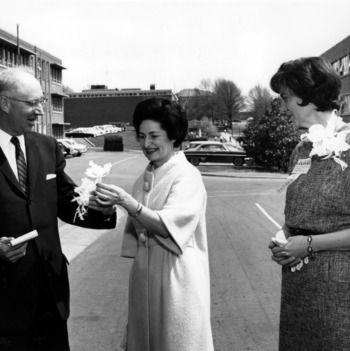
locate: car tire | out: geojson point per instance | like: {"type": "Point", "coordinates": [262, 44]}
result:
{"type": "Point", "coordinates": [238, 161]}
{"type": "Point", "coordinates": [195, 161]}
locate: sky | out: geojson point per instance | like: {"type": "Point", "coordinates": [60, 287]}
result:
{"type": "Point", "coordinates": [175, 44]}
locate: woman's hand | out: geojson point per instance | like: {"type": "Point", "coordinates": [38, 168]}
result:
{"type": "Point", "coordinates": [110, 195]}
{"type": "Point", "coordinates": [292, 252]}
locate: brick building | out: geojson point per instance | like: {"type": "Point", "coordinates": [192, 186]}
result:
{"type": "Point", "coordinates": [339, 57]}
{"type": "Point", "coordinates": [100, 105]}
{"type": "Point", "coordinates": [47, 69]}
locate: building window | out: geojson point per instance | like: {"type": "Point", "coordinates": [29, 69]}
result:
{"type": "Point", "coordinates": [56, 75]}
{"type": "Point", "coordinates": [345, 61]}
{"type": "Point", "coordinates": [336, 66]}
{"type": "Point", "coordinates": [38, 68]}
{"type": "Point", "coordinates": [9, 58]}
{"type": "Point", "coordinates": [345, 105]}
{"type": "Point", "coordinates": [57, 104]}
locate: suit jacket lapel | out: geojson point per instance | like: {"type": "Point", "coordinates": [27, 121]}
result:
{"type": "Point", "coordinates": [33, 160]}
{"type": "Point", "coordinates": [6, 169]}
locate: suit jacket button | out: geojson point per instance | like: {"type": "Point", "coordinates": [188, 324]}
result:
{"type": "Point", "coordinates": [142, 238]}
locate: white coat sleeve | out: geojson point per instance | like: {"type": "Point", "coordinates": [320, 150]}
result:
{"type": "Point", "coordinates": [183, 209]}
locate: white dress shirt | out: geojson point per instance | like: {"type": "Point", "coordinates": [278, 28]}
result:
{"type": "Point", "coordinates": [9, 149]}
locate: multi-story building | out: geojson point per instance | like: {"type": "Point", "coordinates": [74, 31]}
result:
{"type": "Point", "coordinates": [339, 57]}
{"type": "Point", "coordinates": [100, 105]}
{"type": "Point", "coordinates": [47, 69]}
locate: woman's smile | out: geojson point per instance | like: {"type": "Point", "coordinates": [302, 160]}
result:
{"type": "Point", "coordinates": [154, 142]}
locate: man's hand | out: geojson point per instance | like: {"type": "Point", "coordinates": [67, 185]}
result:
{"type": "Point", "coordinates": [11, 253]}
{"type": "Point", "coordinates": [107, 210]}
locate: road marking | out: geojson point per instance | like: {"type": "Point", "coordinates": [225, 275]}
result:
{"type": "Point", "coordinates": [244, 194]}
{"type": "Point", "coordinates": [268, 216]}
{"type": "Point", "coordinates": [244, 177]}
{"type": "Point", "coordinates": [130, 158]}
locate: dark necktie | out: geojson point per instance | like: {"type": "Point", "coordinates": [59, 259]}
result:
{"type": "Point", "coordinates": [21, 165]}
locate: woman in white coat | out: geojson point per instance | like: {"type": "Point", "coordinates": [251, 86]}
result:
{"type": "Point", "coordinates": [165, 234]}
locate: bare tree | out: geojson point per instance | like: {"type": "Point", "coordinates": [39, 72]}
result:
{"type": "Point", "coordinates": [229, 98]}
{"type": "Point", "coordinates": [199, 102]}
{"type": "Point", "coordinates": [67, 89]}
{"type": "Point", "coordinates": [190, 100]}
{"type": "Point", "coordinates": [209, 104]}
{"type": "Point", "coordinates": [259, 100]}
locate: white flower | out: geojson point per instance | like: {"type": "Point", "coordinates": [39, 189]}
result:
{"type": "Point", "coordinates": [84, 191]}
{"type": "Point", "coordinates": [98, 172]}
{"type": "Point", "coordinates": [280, 239]}
{"type": "Point", "coordinates": [327, 143]}
{"type": "Point", "coordinates": [88, 186]}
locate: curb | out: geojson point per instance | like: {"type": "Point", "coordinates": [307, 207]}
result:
{"type": "Point", "coordinates": [251, 176]}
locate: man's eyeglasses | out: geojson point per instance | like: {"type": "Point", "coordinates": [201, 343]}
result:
{"type": "Point", "coordinates": [33, 103]}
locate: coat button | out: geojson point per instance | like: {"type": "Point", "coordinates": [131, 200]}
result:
{"type": "Point", "coordinates": [142, 238]}
{"type": "Point", "coordinates": [146, 186]}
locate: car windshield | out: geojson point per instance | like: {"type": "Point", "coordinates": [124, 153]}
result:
{"type": "Point", "coordinates": [192, 146]}
{"type": "Point", "coordinates": [232, 148]}
{"type": "Point", "coordinates": [212, 147]}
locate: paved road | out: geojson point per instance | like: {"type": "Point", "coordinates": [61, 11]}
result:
{"type": "Point", "coordinates": [245, 283]}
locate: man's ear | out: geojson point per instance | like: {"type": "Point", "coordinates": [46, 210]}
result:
{"type": "Point", "coordinates": [4, 104]}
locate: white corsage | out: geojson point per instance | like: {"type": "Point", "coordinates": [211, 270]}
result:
{"type": "Point", "coordinates": [98, 172]}
{"type": "Point", "coordinates": [326, 143]}
{"type": "Point", "coordinates": [280, 240]}
{"type": "Point", "coordinates": [88, 186]}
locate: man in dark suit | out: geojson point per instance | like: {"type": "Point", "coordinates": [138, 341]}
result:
{"type": "Point", "coordinates": [34, 191]}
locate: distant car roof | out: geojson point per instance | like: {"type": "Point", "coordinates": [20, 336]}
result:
{"type": "Point", "coordinates": [206, 142]}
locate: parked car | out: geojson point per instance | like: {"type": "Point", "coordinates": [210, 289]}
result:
{"type": "Point", "coordinates": [63, 149]}
{"type": "Point", "coordinates": [214, 151]}
{"type": "Point", "coordinates": [68, 151]}
{"type": "Point", "coordinates": [120, 125]}
{"type": "Point", "coordinates": [72, 143]}
{"type": "Point", "coordinates": [82, 133]}
{"type": "Point", "coordinates": [109, 128]}
{"type": "Point", "coordinates": [98, 130]}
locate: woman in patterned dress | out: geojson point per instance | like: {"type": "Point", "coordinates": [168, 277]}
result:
{"type": "Point", "coordinates": [165, 234]}
{"type": "Point", "coordinates": [315, 302]}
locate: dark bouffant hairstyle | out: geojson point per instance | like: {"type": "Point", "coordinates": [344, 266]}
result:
{"type": "Point", "coordinates": [312, 79]}
{"type": "Point", "coordinates": [169, 114]}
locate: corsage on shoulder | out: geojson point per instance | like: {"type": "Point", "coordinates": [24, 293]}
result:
{"type": "Point", "coordinates": [327, 143]}
{"type": "Point", "coordinates": [88, 186]}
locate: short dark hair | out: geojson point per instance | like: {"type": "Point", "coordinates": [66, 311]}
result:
{"type": "Point", "coordinates": [169, 114]}
{"type": "Point", "coordinates": [312, 79]}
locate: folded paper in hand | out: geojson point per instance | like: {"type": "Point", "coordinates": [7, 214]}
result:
{"type": "Point", "coordinates": [26, 237]}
